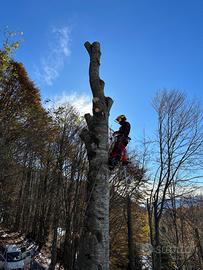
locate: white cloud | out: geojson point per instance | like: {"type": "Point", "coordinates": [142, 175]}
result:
{"type": "Point", "coordinates": [81, 102]}
{"type": "Point", "coordinates": [53, 62]}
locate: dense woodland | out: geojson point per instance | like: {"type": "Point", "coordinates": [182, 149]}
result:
{"type": "Point", "coordinates": [156, 214]}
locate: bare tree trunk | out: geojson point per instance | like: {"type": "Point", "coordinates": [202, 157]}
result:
{"type": "Point", "coordinates": [157, 246]}
{"type": "Point", "coordinates": [54, 246]}
{"type": "Point", "coordinates": [94, 249]}
{"type": "Point", "coordinates": [130, 235]}
{"type": "Point", "coordinates": [150, 222]}
{"type": "Point", "coordinates": [199, 245]}
{"type": "Point", "coordinates": [56, 195]}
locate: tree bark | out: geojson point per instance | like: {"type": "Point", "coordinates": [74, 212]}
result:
{"type": "Point", "coordinates": [156, 246]}
{"type": "Point", "coordinates": [199, 246]}
{"type": "Point", "coordinates": [131, 255]}
{"type": "Point", "coordinates": [94, 249]}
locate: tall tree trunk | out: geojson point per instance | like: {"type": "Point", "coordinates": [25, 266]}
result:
{"type": "Point", "coordinates": [54, 247]}
{"type": "Point", "coordinates": [94, 249]}
{"type": "Point", "coordinates": [57, 202]}
{"type": "Point", "coordinates": [131, 255]}
{"type": "Point", "coordinates": [156, 246]}
{"type": "Point", "coordinates": [199, 246]}
{"type": "Point", "coordinates": [150, 222]}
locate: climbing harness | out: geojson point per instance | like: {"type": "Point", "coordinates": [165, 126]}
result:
{"type": "Point", "coordinates": [115, 162]}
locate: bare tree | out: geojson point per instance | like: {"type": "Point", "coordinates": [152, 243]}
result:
{"type": "Point", "coordinates": [94, 251]}
{"type": "Point", "coordinates": [180, 145]}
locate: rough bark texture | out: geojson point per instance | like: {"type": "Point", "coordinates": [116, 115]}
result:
{"type": "Point", "coordinates": [199, 246]}
{"type": "Point", "coordinates": [94, 250]}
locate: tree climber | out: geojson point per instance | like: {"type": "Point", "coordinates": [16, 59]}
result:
{"type": "Point", "coordinates": [118, 152]}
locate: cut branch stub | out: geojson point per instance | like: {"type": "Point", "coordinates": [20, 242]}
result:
{"type": "Point", "coordinates": [97, 85]}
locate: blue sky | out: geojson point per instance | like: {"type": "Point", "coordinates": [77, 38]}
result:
{"type": "Point", "coordinates": [146, 45]}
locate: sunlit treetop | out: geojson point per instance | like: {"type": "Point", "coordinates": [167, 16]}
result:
{"type": "Point", "coordinates": [7, 50]}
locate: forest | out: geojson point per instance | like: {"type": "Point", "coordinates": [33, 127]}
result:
{"type": "Point", "coordinates": [54, 178]}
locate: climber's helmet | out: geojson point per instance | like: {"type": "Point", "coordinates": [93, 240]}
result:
{"type": "Point", "coordinates": [121, 118]}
